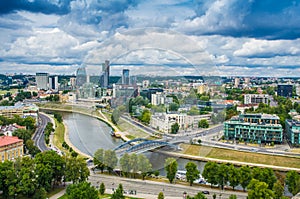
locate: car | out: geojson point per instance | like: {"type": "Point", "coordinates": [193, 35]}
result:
{"type": "Point", "coordinates": [205, 192]}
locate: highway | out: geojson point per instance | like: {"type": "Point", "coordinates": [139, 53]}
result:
{"type": "Point", "coordinates": [150, 189]}
{"type": "Point", "coordinates": [38, 137]}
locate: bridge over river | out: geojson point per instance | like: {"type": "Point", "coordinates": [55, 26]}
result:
{"type": "Point", "coordinates": [141, 145]}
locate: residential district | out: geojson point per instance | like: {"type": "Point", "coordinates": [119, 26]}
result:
{"type": "Point", "coordinates": [248, 126]}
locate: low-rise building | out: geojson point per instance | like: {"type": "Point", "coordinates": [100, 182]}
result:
{"type": "Point", "coordinates": [163, 121]}
{"type": "Point", "coordinates": [11, 147]}
{"type": "Point", "coordinates": [260, 128]}
{"type": "Point", "coordinates": [21, 109]}
{"type": "Point", "coordinates": [292, 128]}
{"type": "Point", "coordinates": [256, 99]}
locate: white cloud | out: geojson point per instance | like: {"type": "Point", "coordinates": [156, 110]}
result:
{"type": "Point", "coordinates": [268, 48]}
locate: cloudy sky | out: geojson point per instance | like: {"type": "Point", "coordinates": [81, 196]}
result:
{"type": "Point", "coordinates": [157, 37]}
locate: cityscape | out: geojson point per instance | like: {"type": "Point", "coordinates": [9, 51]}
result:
{"type": "Point", "coordinates": [149, 99]}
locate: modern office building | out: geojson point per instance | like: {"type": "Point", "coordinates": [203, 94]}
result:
{"type": "Point", "coordinates": [285, 90]}
{"type": "Point", "coordinates": [260, 128]}
{"type": "Point", "coordinates": [11, 147]}
{"type": "Point", "coordinates": [292, 128]}
{"type": "Point", "coordinates": [125, 77]}
{"type": "Point", "coordinates": [80, 76]}
{"type": "Point", "coordinates": [104, 77]}
{"type": "Point", "coordinates": [42, 81]}
{"type": "Point", "coordinates": [256, 99]}
{"type": "Point", "coordinates": [53, 83]}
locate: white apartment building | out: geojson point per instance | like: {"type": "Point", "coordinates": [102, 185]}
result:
{"type": "Point", "coordinates": [163, 121]}
{"type": "Point", "coordinates": [256, 98]}
{"type": "Point", "coordinates": [157, 99]}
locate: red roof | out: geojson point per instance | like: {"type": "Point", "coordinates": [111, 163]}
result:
{"type": "Point", "coordinates": [7, 140]}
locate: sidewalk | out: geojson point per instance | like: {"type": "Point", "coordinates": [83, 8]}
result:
{"type": "Point", "coordinates": [59, 194]}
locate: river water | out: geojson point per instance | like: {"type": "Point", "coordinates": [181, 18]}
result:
{"type": "Point", "coordinates": [89, 134]}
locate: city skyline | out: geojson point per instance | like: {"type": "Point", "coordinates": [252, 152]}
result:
{"type": "Point", "coordinates": [220, 37]}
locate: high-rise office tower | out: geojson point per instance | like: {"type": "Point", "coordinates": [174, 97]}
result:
{"type": "Point", "coordinates": [53, 83]}
{"type": "Point", "coordinates": [80, 76]}
{"type": "Point", "coordinates": [104, 77]}
{"type": "Point", "coordinates": [42, 81]}
{"type": "Point", "coordinates": [125, 77]}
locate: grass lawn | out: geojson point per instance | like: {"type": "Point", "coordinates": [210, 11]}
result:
{"type": "Point", "coordinates": [58, 137]}
{"type": "Point", "coordinates": [226, 154]}
{"type": "Point", "coordinates": [12, 91]}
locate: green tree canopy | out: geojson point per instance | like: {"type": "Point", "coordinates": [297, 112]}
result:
{"type": "Point", "coordinates": [192, 172]}
{"type": "Point", "coordinates": [82, 190]}
{"type": "Point", "coordinates": [203, 123]}
{"type": "Point", "coordinates": [174, 128]}
{"type": "Point", "coordinates": [259, 190]}
{"type": "Point", "coordinates": [171, 166]}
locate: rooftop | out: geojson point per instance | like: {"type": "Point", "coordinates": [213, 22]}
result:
{"type": "Point", "coordinates": [8, 140]}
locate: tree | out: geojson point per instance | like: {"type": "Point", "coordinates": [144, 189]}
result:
{"type": "Point", "coordinates": [209, 172]}
{"type": "Point", "coordinates": [110, 160]}
{"type": "Point", "coordinates": [99, 159]}
{"type": "Point", "coordinates": [40, 193]}
{"type": "Point", "coordinates": [192, 173]}
{"type": "Point", "coordinates": [173, 107]}
{"type": "Point", "coordinates": [259, 190]}
{"type": "Point", "coordinates": [125, 164]}
{"type": "Point", "coordinates": [264, 175]}
{"type": "Point", "coordinates": [58, 117]}
{"type": "Point", "coordinates": [133, 164]}
{"type": "Point", "coordinates": [146, 116]}
{"type": "Point", "coordinates": [171, 166]}
{"type": "Point", "coordinates": [76, 170]}
{"type": "Point", "coordinates": [222, 175]}
{"type": "Point", "coordinates": [199, 195]}
{"type": "Point", "coordinates": [82, 190]}
{"type": "Point", "coordinates": [32, 149]}
{"type": "Point", "coordinates": [115, 116]}
{"type": "Point", "coordinates": [203, 123]}
{"type": "Point", "coordinates": [8, 178]}
{"type": "Point", "coordinates": [44, 175]}
{"type": "Point", "coordinates": [144, 165]}
{"type": "Point", "coordinates": [194, 111]}
{"type": "Point", "coordinates": [102, 188]}
{"type": "Point", "coordinates": [174, 128]}
{"type": "Point", "coordinates": [278, 190]}
{"type": "Point", "coordinates": [233, 176]}
{"type": "Point", "coordinates": [55, 161]}
{"type": "Point", "coordinates": [118, 194]}
{"type": "Point", "coordinates": [293, 182]}
{"type": "Point", "coordinates": [160, 195]}
{"type": "Point", "coordinates": [245, 176]}
{"type": "Point", "coordinates": [232, 197]}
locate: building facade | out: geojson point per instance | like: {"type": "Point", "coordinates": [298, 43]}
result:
{"type": "Point", "coordinates": [256, 99]}
{"type": "Point", "coordinates": [42, 81]}
{"type": "Point", "coordinates": [125, 77]}
{"type": "Point", "coordinates": [11, 147]}
{"type": "Point", "coordinates": [260, 128]}
{"type": "Point", "coordinates": [104, 77]}
{"type": "Point", "coordinates": [20, 109]}
{"type": "Point", "coordinates": [80, 76]}
{"type": "Point", "coordinates": [53, 83]}
{"type": "Point", "coordinates": [285, 90]}
{"type": "Point", "coordinates": [292, 129]}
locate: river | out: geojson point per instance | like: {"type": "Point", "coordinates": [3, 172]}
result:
{"type": "Point", "coordinates": [89, 134]}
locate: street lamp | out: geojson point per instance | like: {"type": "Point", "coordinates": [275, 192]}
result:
{"type": "Point", "coordinates": [184, 195]}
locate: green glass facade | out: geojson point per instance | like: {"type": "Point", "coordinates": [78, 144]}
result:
{"type": "Point", "coordinates": [292, 128]}
{"type": "Point", "coordinates": [260, 128]}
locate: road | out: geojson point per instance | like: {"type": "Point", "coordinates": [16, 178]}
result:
{"type": "Point", "coordinates": [38, 137]}
{"type": "Point", "coordinates": [150, 189]}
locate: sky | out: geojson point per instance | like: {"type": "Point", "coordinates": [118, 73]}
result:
{"type": "Point", "coordinates": [157, 37]}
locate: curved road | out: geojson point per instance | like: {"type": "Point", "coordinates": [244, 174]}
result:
{"type": "Point", "coordinates": [38, 137]}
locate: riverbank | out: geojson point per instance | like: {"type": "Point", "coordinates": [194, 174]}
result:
{"type": "Point", "coordinates": [222, 154]}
